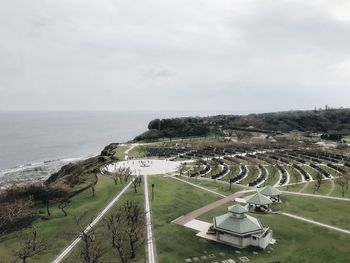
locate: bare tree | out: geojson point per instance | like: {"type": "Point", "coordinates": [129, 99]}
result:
{"type": "Point", "coordinates": [115, 177]}
{"type": "Point", "coordinates": [90, 252]}
{"type": "Point", "coordinates": [135, 226]}
{"type": "Point", "coordinates": [136, 182]}
{"type": "Point", "coordinates": [181, 169]}
{"type": "Point", "coordinates": [127, 227]}
{"type": "Point", "coordinates": [115, 225]}
{"type": "Point", "coordinates": [341, 181]}
{"type": "Point", "coordinates": [15, 212]}
{"type": "Point", "coordinates": [318, 182]}
{"type": "Point", "coordinates": [32, 246]}
{"type": "Point", "coordinates": [127, 174]}
{"type": "Point", "coordinates": [63, 204]}
{"type": "Point", "coordinates": [93, 184]}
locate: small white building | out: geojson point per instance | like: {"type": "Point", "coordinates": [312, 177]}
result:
{"type": "Point", "coordinates": [240, 230]}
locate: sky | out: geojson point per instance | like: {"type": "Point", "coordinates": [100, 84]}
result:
{"type": "Point", "coordinates": [229, 55]}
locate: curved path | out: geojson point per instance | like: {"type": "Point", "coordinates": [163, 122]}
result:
{"type": "Point", "coordinates": [332, 188]}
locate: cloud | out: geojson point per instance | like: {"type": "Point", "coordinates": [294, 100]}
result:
{"type": "Point", "coordinates": [184, 54]}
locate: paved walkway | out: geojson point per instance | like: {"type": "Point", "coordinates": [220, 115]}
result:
{"type": "Point", "coordinates": [182, 220]}
{"type": "Point", "coordinates": [132, 146]}
{"type": "Point", "coordinates": [332, 188]}
{"type": "Point", "coordinates": [98, 218]}
{"type": "Point", "coordinates": [151, 251]}
{"type": "Point", "coordinates": [316, 223]}
{"type": "Point", "coordinates": [304, 187]}
{"type": "Point", "coordinates": [317, 196]}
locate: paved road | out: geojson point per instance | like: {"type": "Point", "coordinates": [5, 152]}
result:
{"type": "Point", "coordinates": [316, 223]}
{"type": "Point", "coordinates": [151, 251]}
{"type": "Point", "coordinates": [98, 218]}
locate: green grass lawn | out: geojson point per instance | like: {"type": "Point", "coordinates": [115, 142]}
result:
{"type": "Point", "coordinates": [332, 212]}
{"type": "Point", "coordinates": [325, 188]}
{"type": "Point", "coordinates": [58, 231]}
{"type": "Point", "coordinates": [297, 242]}
{"type": "Point", "coordinates": [218, 187]}
{"type": "Point", "coordinates": [173, 199]}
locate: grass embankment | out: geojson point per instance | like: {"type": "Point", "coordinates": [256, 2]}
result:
{"type": "Point", "coordinates": [119, 152]}
{"type": "Point", "coordinates": [138, 152]}
{"type": "Point", "coordinates": [103, 236]}
{"type": "Point", "coordinates": [59, 230]}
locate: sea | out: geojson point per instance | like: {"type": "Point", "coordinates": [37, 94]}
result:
{"type": "Point", "coordinates": [34, 145]}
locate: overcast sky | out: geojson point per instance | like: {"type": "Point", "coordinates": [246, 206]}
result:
{"type": "Point", "coordinates": [233, 55]}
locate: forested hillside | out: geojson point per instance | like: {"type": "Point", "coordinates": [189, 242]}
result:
{"type": "Point", "coordinates": [324, 121]}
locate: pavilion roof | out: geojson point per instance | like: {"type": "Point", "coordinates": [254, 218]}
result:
{"type": "Point", "coordinates": [258, 199]}
{"type": "Point", "coordinates": [237, 209]}
{"type": "Point", "coordinates": [270, 191]}
{"type": "Point", "coordinates": [238, 226]}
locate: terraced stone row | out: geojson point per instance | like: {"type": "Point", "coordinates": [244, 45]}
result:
{"type": "Point", "coordinates": [302, 171]}
{"type": "Point", "coordinates": [261, 178]}
{"type": "Point", "coordinates": [241, 175]}
{"type": "Point", "coordinates": [320, 170]}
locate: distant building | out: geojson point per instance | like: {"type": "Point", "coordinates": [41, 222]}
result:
{"type": "Point", "coordinates": [240, 230]}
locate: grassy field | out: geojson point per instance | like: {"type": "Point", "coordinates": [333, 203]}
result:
{"type": "Point", "coordinates": [59, 230]}
{"type": "Point", "coordinates": [331, 212]}
{"type": "Point", "coordinates": [326, 188]}
{"type": "Point", "coordinates": [173, 199]}
{"type": "Point", "coordinates": [297, 242]}
{"type": "Point", "coordinates": [216, 186]}
{"type": "Point", "coordinates": [292, 235]}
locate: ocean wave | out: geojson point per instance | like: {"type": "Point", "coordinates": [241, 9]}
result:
{"type": "Point", "coordinates": [55, 163]}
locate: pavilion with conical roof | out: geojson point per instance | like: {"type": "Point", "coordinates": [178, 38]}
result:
{"type": "Point", "coordinates": [239, 229]}
{"type": "Point", "coordinates": [259, 201]}
{"type": "Point", "coordinates": [272, 192]}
